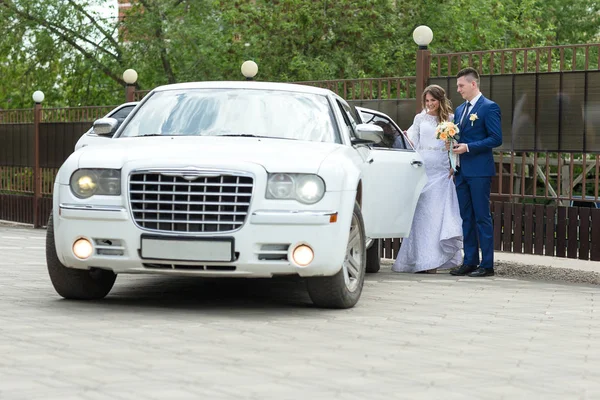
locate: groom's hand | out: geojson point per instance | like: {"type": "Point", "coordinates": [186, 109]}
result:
{"type": "Point", "coordinates": [459, 148]}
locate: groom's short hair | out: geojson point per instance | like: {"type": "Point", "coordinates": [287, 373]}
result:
{"type": "Point", "coordinates": [469, 73]}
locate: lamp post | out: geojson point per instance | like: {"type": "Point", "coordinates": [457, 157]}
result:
{"type": "Point", "coordinates": [130, 77]}
{"type": "Point", "coordinates": [422, 35]}
{"type": "Point", "coordinates": [249, 69]}
{"type": "Point", "coordinates": [38, 97]}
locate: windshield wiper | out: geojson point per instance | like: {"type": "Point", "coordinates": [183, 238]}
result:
{"type": "Point", "coordinates": [256, 136]}
{"type": "Point", "coordinates": [242, 135]}
{"type": "Point", "coordinates": [152, 134]}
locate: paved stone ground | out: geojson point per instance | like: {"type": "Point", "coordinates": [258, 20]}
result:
{"type": "Point", "coordinates": [410, 337]}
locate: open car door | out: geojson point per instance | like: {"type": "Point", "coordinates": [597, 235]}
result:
{"type": "Point", "coordinates": [392, 183]}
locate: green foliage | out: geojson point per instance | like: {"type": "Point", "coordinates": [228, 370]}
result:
{"type": "Point", "coordinates": [67, 49]}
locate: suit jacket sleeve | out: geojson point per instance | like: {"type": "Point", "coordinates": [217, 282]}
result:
{"type": "Point", "coordinates": [493, 128]}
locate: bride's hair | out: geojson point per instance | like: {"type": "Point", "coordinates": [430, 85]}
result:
{"type": "Point", "coordinates": [438, 93]}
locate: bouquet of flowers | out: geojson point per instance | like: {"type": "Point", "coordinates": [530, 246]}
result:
{"type": "Point", "coordinates": [448, 132]}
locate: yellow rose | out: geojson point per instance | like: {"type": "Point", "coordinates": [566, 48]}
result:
{"type": "Point", "coordinates": [443, 136]}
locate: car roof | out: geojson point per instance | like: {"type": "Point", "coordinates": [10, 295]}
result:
{"type": "Point", "coordinates": [290, 87]}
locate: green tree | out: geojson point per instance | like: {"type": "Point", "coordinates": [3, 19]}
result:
{"type": "Point", "coordinates": [60, 47]}
{"type": "Point", "coordinates": [67, 49]}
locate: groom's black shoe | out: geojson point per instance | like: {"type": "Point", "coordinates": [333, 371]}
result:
{"type": "Point", "coordinates": [463, 270]}
{"type": "Point", "coordinates": [481, 272]}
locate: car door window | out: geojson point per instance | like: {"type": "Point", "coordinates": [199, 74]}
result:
{"type": "Point", "coordinates": [393, 137]}
{"type": "Point", "coordinates": [349, 121]}
{"type": "Point", "coordinates": [121, 114]}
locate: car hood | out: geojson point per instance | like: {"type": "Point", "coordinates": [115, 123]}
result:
{"type": "Point", "coordinates": [275, 155]}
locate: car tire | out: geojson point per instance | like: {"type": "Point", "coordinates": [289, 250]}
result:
{"type": "Point", "coordinates": [343, 289]}
{"type": "Point", "coordinates": [73, 283]}
{"type": "Point", "coordinates": [374, 257]}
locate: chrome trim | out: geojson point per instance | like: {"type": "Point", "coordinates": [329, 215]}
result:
{"type": "Point", "coordinates": [291, 217]}
{"type": "Point", "coordinates": [90, 207]}
{"type": "Point", "coordinates": [196, 172]}
{"type": "Point", "coordinates": [190, 171]}
{"type": "Point", "coordinates": [307, 213]}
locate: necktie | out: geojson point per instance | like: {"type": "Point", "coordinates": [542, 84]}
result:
{"type": "Point", "coordinates": [460, 123]}
{"type": "Point", "coordinates": [465, 113]}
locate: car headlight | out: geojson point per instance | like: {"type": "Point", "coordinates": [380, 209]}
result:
{"type": "Point", "coordinates": [305, 188]}
{"type": "Point", "coordinates": [89, 182]}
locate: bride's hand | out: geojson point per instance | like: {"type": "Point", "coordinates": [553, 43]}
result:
{"type": "Point", "coordinates": [450, 173]}
{"type": "Point", "coordinates": [447, 145]}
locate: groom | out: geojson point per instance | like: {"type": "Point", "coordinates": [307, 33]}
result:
{"type": "Point", "coordinates": [480, 131]}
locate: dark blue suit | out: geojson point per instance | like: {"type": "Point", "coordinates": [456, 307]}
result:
{"type": "Point", "coordinates": [474, 178]}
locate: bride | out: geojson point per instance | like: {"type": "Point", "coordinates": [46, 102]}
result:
{"type": "Point", "coordinates": [435, 240]}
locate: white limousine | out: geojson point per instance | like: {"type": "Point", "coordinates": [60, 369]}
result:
{"type": "Point", "coordinates": [232, 179]}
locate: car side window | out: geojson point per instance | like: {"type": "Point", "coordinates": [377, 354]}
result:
{"type": "Point", "coordinates": [393, 137]}
{"type": "Point", "coordinates": [122, 113]}
{"type": "Point", "coordinates": [349, 122]}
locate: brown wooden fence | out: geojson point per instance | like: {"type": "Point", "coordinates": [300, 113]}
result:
{"type": "Point", "coordinates": [571, 232]}
{"type": "Point", "coordinates": [531, 196]}
{"type": "Point", "coordinates": [579, 57]}
{"type": "Point", "coordinates": [59, 130]}
{"type": "Point", "coordinates": [355, 89]}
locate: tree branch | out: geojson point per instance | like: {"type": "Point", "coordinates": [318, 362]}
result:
{"type": "Point", "coordinates": [72, 42]}
{"type": "Point", "coordinates": [58, 29]}
{"type": "Point", "coordinates": [97, 25]}
{"type": "Point", "coordinates": [159, 34]}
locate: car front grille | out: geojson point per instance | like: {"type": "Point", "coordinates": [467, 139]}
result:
{"type": "Point", "coordinates": [183, 202]}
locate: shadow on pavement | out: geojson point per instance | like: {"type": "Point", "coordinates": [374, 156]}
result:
{"type": "Point", "coordinates": [203, 294]}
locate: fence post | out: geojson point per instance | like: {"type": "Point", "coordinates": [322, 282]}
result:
{"type": "Point", "coordinates": [130, 77]}
{"type": "Point", "coordinates": [129, 93]}
{"type": "Point", "coordinates": [422, 36]}
{"type": "Point", "coordinates": [38, 97]}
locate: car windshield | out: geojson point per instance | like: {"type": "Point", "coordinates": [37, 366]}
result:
{"type": "Point", "coordinates": [235, 112]}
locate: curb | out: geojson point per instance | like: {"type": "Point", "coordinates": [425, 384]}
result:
{"type": "Point", "coordinates": [15, 224]}
{"type": "Point", "coordinates": [512, 269]}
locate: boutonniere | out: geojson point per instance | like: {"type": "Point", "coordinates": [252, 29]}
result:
{"type": "Point", "coordinates": [473, 118]}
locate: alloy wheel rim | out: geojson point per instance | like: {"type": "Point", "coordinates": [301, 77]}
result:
{"type": "Point", "coordinates": [354, 255]}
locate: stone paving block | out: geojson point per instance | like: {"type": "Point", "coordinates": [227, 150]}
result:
{"type": "Point", "coordinates": [411, 336]}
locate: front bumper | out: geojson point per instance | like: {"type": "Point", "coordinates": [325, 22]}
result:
{"type": "Point", "coordinates": [263, 246]}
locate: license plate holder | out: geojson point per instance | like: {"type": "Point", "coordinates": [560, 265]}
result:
{"type": "Point", "coordinates": [195, 249]}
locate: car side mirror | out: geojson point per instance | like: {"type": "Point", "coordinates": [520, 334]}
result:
{"type": "Point", "coordinates": [105, 127]}
{"type": "Point", "coordinates": [369, 133]}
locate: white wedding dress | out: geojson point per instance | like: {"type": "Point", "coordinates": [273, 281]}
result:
{"type": "Point", "coordinates": [435, 239]}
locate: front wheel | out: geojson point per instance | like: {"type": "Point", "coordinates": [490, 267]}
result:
{"type": "Point", "coordinates": [343, 289]}
{"type": "Point", "coordinates": [75, 283]}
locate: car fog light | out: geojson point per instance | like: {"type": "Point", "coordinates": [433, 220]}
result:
{"type": "Point", "coordinates": [303, 255]}
{"type": "Point", "coordinates": [82, 248]}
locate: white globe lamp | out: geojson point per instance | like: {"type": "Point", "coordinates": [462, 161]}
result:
{"type": "Point", "coordinates": [422, 35]}
{"type": "Point", "coordinates": [38, 96]}
{"type": "Point", "coordinates": [249, 69]}
{"type": "Point", "coordinates": [130, 76]}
